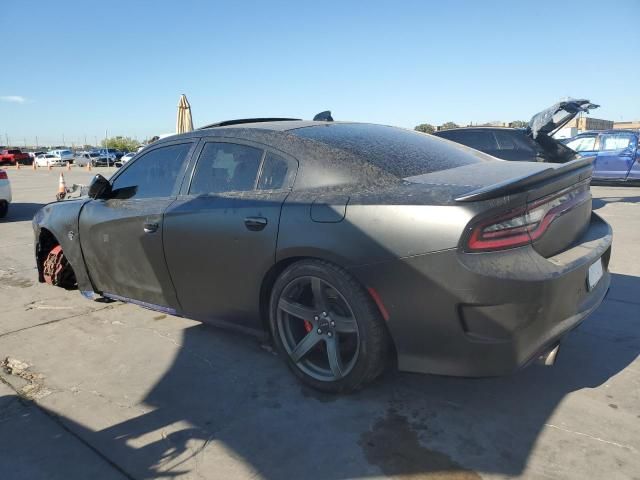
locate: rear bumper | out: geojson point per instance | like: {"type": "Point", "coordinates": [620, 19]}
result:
{"type": "Point", "coordinates": [490, 313]}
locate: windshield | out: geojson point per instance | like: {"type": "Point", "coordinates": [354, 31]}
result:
{"type": "Point", "coordinates": [400, 152]}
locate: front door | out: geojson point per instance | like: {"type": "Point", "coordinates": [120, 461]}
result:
{"type": "Point", "coordinates": [121, 237]}
{"type": "Point", "coordinates": [220, 237]}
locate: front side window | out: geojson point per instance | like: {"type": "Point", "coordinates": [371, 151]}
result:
{"type": "Point", "coordinates": [152, 175]}
{"type": "Point", "coordinates": [583, 144]}
{"type": "Point", "coordinates": [226, 167]}
{"type": "Point", "coordinates": [616, 141]}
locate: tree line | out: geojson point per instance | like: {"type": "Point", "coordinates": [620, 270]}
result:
{"type": "Point", "coordinates": [428, 128]}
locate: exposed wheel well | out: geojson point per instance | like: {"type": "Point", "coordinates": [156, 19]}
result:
{"type": "Point", "coordinates": [46, 242]}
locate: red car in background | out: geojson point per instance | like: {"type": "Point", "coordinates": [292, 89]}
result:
{"type": "Point", "coordinates": [14, 156]}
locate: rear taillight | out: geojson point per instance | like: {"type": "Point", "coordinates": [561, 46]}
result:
{"type": "Point", "coordinates": [3, 175]}
{"type": "Point", "coordinates": [524, 225]}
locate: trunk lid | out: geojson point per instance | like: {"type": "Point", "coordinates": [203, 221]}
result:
{"type": "Point", "coordinates": [548, 205]}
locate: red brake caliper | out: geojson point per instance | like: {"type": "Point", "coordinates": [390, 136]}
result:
{"type": "Point", "coordinates": [53, 265]}
{"type": "Point", "coordinates": [308, 325]}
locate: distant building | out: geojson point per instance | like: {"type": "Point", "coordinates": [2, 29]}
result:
{"type": "Point", "coordinates": [581, 124]}
{"type": "Point", "coordinates": [632, 125]}
{"type": "Point", "coordinates": [589, 123]}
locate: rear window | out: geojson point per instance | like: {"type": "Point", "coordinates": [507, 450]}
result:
{"type": "Point", "coordinates": [402, 153]}
{"type": "Point", "coordinates": [14, 152]}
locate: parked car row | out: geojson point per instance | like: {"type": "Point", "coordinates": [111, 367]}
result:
{"type": "Point", "coordinates": [57, 157]}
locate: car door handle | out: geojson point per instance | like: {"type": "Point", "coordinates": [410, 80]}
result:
{"type": "Point", "coordinates": [150, 227]}
{"type": "Point", "coordinates": [255, 224]}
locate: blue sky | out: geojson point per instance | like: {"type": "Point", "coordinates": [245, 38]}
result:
{"type": "Point", "coordinates": [84, 67]}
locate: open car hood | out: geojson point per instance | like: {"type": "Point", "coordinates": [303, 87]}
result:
{"type": "Point", "coordinates": [554, 118]}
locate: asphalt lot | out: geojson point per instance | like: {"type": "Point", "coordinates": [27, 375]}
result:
{"type": "Point", "coordinates": [115, 391]}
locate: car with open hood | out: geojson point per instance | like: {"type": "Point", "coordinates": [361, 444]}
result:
{"type": "Point", "coordinates": [535, 143]}
{"type": "Point", "coordinates": [355, 247]}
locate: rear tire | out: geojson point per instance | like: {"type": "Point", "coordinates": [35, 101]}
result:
{"type": "Point", "coordinates": [327, 327]}
{"type": "Point", "coordinates": [4, 208]}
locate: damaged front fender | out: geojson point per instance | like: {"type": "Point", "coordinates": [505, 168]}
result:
{"type": "Point", "coordinates": [57, 223]}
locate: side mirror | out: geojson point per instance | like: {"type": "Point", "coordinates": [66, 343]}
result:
{"type": "Point", "coordinates": [100, 188]}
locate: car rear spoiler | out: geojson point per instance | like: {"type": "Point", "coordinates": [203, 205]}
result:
{"type": "Point", "coordinates": [519, 184]}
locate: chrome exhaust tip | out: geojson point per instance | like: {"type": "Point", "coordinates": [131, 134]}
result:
{"type": "Point", "coordinates": [549, 357]}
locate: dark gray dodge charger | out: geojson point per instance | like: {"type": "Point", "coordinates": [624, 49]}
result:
{"type": "Point", "coordinates": [354, 246]}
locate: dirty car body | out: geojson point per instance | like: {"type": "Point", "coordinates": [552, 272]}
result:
{"type": "Point", "coordinates": [474, 266]}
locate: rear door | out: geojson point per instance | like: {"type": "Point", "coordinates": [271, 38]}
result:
{"type": "Point", "coordinates": [121, 237]}
{"type": "Point", "coordinates": [616, 155]}
{"type": "Point", "coordinates": [220, 235]}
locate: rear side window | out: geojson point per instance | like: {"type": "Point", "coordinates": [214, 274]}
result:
{"type": "Point", "coordinates": [226, 167]}
{"type": "Point", "coordinates": [400, 152]}
{"type": "Point", "coordinates": [583, 144]}
{"type": "Point", "coordinates": [275, 172]}
{"type": "Point", "coordinates": [152, 175]}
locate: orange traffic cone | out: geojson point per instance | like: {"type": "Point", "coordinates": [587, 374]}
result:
{"type": "Point", "coordinates": [62, 188]}
{"type": "Point", "coordinates": [48, 166]}
{"type": "Point", "coordinates": [34, 165]}
{"type": "Point", "coordinates": [68, 165]}
{"type": "Point", "coordinates": [17, 165]}
{"type": "Point", "coordinates": [88, 166]}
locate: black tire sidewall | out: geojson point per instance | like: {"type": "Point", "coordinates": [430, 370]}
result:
{"type": "Point", "coordinates": [372, 348]}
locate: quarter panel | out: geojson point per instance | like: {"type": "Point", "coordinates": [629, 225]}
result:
{"type": "Point", "coordinates": [370, 233]}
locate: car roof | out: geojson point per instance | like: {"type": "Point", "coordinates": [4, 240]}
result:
{"type": "Point", "coordinates": [479, 127]}
{"type": "Point", "coordinates": [600, 132]}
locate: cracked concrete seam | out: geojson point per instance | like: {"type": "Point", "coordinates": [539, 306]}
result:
{"type": "Point", "coordinates": [49, 322]}
{"type": "Point", "coordinates": [616, 444]}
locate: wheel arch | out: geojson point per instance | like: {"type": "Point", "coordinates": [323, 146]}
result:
{"type": "Point", "coordinates": [274, 272]}
{"type": "Point", "coordinates": [46, 242]}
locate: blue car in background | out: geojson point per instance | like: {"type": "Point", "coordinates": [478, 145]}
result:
{"type": "Point", "coordinates": [616, 152]}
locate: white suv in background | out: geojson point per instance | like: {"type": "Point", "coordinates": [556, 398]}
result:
{"type": "Point", "coordinates": [5, 193]}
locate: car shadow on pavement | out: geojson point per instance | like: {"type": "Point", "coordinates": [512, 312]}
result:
{"type": "Point", "coordinates": [602, 201]}
{"type": "Point", "coordinates": [19, 212]}
{"type": "Point", "coordinates": [214, 411]}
